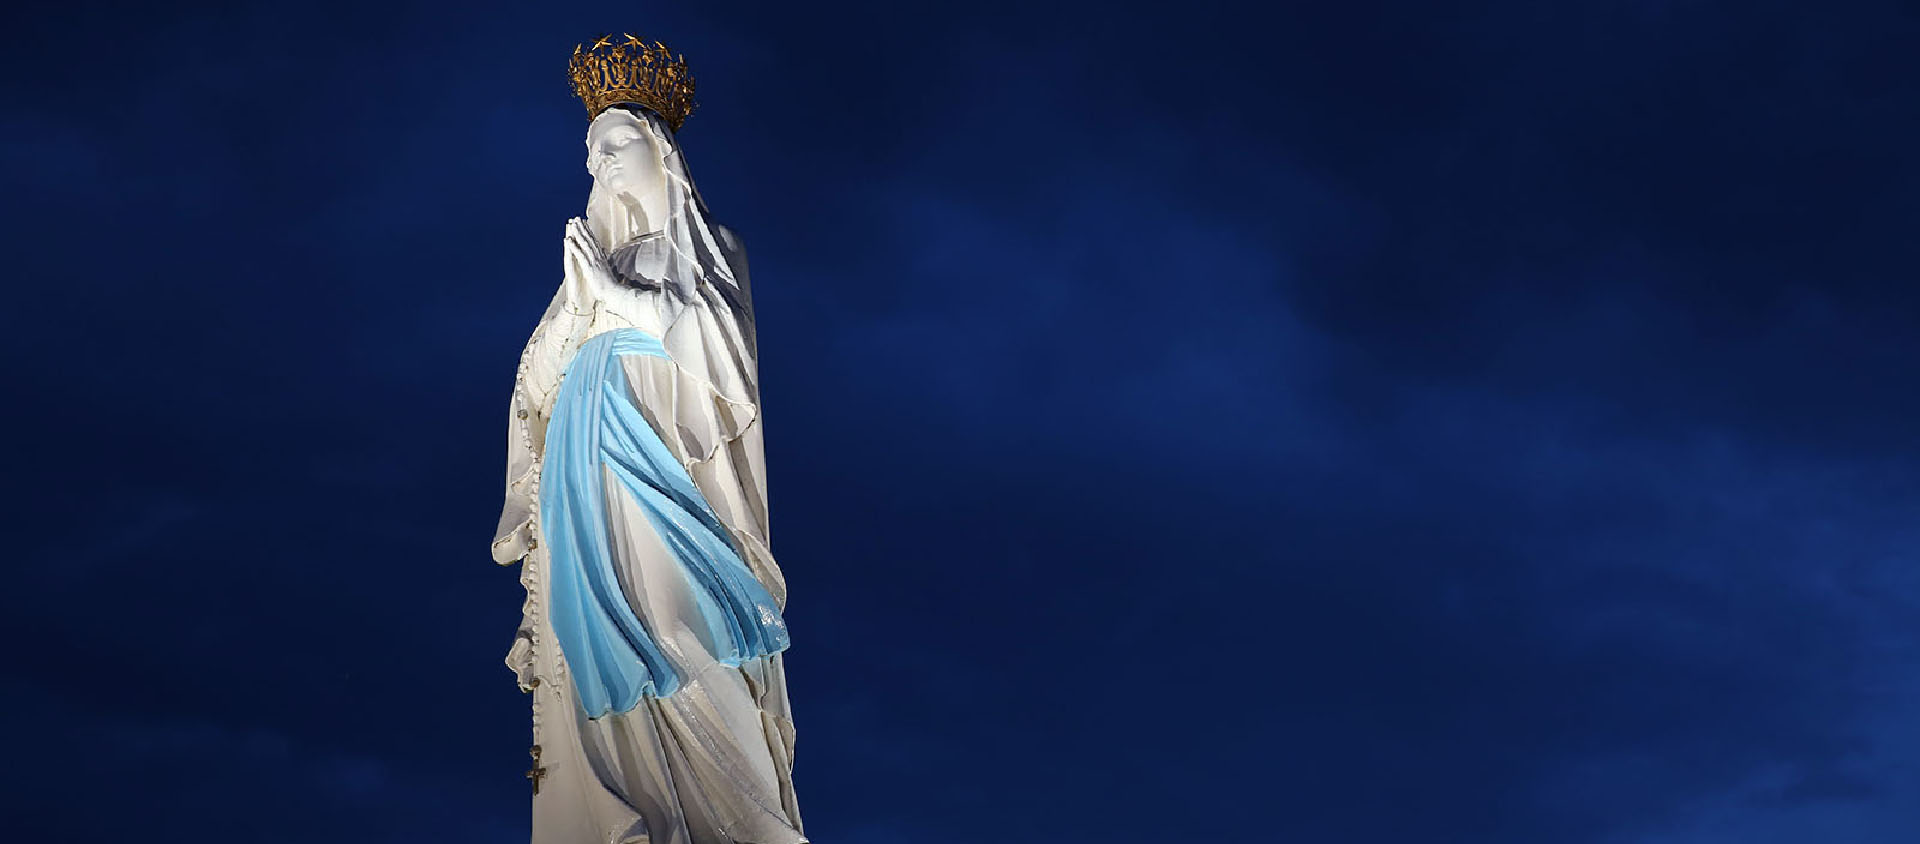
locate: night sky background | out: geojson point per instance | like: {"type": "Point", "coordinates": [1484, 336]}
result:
{"type": "Point", "coordinates": [1320, 422]}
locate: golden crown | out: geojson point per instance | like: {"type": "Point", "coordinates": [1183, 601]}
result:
{"type": "Point", "coordinates": [606, 71]}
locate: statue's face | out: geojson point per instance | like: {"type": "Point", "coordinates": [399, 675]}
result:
{"type": "Point", "coordinates": [621, 155]}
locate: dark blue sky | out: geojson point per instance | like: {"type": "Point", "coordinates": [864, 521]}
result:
{"type": "Point", "coordinates": [1332, 422]}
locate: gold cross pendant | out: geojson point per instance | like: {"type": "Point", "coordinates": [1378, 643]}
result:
{"type": "Point", "coordinates": [536, 772]}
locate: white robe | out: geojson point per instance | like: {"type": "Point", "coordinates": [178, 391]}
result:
{"type": "Point", "coordinates": [712, 762]}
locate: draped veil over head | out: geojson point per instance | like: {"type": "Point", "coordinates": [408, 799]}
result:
{"type": "Point", "coordinates": [694, 249]}
{"type": "Point", "coordinates": [686, 282]}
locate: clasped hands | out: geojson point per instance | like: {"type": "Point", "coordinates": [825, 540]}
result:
{"type": "Point", "coordinates": [589, 275]}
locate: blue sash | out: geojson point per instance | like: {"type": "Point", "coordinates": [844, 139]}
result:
{"type": "Point", "coordinates": [610, 652]}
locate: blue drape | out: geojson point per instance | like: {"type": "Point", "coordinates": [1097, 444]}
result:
{"type": "Point", "coordinates": [612, 656]}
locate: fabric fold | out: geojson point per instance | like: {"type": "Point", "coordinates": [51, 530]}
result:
{"type": "Point", "coordinates": [598, 431]}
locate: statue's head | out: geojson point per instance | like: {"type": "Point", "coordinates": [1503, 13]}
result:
{"type": "Point", "coordinates": [641, 186]}
{"type": "Point", "coordinates": [626, 153]}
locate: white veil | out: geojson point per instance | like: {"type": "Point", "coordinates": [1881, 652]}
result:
{"type": "Point", "coordinates": [691, 248]}
{"type": "Point", "coordinates": [689, 278]}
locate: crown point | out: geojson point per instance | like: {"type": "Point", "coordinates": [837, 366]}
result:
{"type": "Point", "coordinates": [650, 75]}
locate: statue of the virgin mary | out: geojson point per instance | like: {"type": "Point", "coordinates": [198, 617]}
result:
{"type": "Point", "coordinates": [652, 634]}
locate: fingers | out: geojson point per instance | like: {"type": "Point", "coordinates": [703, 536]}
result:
{"type": "Point", "coordinates": [590, 245]}
{"type": "Point", "coordinates": [586, 272]}
{"type": "Point", "coordinates": [577, 265]}
{"type": "Point", "coordinates": [589, 272]}
{"type": "Point", "coordinates": [581, 239]}
{"type": "Point", "coordinates": [570, 252]}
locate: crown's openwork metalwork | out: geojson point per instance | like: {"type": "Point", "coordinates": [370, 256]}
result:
{"type": "Point", "coordinates": [609, 70]}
